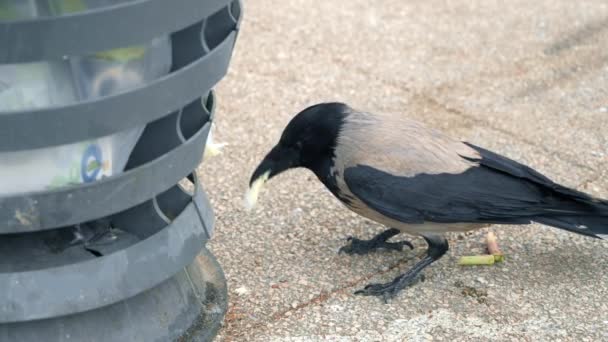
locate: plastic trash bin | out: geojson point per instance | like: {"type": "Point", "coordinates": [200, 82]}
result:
{"type": "Point", "coordinates": [105, 107]}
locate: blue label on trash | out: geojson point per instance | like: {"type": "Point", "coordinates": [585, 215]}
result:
{"type": "Point", "coordinates": [91, 163]}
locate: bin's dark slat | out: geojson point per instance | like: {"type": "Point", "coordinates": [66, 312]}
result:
{"type": "Point", "coordinates": [205, 212]}
{"type": "Point", "coordinates": [188, 307]}
{"type": "Point", "coordinates": [81, 286]}
{"type": "Point", "coordinates": [85, 202]}
{"type": "Point", "coordinates": [95, 30]}
{"type": "Point", "coordinates": [25, 130]}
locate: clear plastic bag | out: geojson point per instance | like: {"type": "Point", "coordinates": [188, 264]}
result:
{"type": "Point", "coordinates": [46, 84]}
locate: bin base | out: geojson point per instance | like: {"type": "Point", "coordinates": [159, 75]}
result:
{"type": "Point", "coordinates": [187, 307]}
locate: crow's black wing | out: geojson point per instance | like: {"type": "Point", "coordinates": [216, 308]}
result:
{"type": "Point", "coordinates": [479, 194]}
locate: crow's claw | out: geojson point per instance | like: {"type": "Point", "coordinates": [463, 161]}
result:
{"type": "Point", "coordinates": [389, 290]}
{"type": "Point", "coordinates": [362, 247]}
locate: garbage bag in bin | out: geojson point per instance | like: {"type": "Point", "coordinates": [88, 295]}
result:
{"type": "Point", "coordinates": [76, 78]}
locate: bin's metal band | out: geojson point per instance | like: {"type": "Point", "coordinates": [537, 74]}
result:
{"type": "Point", "coordinates": [80, 203]}
{"type": "Point", "coordinates": [25, 130]}
{"type": "Point", "coordinates": [98, 282]}
{"type": "Point", "coordinates": [99, 29]}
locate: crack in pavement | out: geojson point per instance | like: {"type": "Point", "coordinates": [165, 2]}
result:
{"type": "Point", "coordinates": [320, 298]}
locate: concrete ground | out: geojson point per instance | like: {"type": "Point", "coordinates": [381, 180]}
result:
{"type": "Point", "coordinates": [528, 79]}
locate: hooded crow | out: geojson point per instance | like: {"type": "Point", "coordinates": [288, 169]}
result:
{"type": "Point", "coordinates": [416, 180]}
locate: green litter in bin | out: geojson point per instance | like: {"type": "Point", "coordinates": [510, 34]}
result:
{"type": "Point", "coordinates": [7, 13]}
{"type": "Point", "coordinates": [122, 55]}
{"type": "Point", "coordinates": [67, 6]}
{"type": "Point", "coordinates": [94, 165]}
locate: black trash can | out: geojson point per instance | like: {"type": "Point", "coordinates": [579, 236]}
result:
{"type": "Point", "coordinates": [105, 109]}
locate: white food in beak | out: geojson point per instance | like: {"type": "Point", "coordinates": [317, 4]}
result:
{"type": "Point", "coordinates": [251, 197]}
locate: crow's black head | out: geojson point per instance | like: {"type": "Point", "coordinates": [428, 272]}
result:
{"type": "Point", "coordinates": [308, 140]}
{"type": "Point", "coordinates": [312, 133]}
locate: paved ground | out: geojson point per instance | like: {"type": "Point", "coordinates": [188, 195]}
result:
{"type": "Point", "coordinates": [526, 78]}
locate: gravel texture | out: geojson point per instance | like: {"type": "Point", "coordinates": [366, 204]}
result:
{"type": "Point", "coordinates": [528, 79]}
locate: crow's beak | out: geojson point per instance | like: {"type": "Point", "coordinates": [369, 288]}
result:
{"type": "Point", "coordinates": [279, 159]}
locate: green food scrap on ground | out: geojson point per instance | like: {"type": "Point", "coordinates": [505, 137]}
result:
{"type": "Point", "coordinates": [495, 255]}
{"type": "Point", "coordinates": [498, 257]}
{"type": "Point", "coordinates": [477, 260]}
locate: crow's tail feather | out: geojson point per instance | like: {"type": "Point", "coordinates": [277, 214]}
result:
{"type": "Point", "coordinates": [590, 224]}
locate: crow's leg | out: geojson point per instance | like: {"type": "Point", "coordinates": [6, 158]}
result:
{"type": "Point", "coordinates": [438, 246]}
{"type": "Point", "coordinates": [361, 247]}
